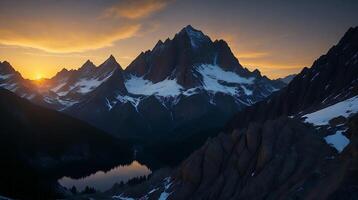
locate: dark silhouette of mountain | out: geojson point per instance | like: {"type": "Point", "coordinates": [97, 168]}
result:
{"type": "Point", "coordinates": [174, 90]}
{"type": "Point", "coordinates": [37, 145]}
{"type": "Point", "coordinates": [332, 78]}
{"type": "Point", "coordinates": [271, 151]}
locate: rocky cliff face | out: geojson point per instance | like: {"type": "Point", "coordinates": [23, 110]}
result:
{"type": "Point", "coordinates": [274, 160]}
{"type": "Point", "coordinates": [278, 159]}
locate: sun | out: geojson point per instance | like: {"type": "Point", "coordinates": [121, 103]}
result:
{"type": "Point", "coordinates": [38, 77]}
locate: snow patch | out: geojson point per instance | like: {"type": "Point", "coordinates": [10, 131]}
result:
{"type": "Point", "coordinates": [87, 85]}
{"type": "Point", "coordinates": [338, 141]}
{"type": "Point", "coordinates": [344, 108]}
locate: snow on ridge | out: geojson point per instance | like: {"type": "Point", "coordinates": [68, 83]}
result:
{"type": "Point", "coordinates": [165, 88]}
{"type": "Point", "coordinates": [59, 86]}
{"type": "Point", "coordinates": [337, 140]}
{"type": "Point", "coordinates": [83, 86]}
{"type": "Point", "coordinates": [344, 108]}
{"type": "Point", "coordinates": [121, 197]}
{"type": "Point", "coordinates": [213, 75]}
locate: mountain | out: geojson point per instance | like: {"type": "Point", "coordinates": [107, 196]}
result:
{"type": "Point", "coordinates": [301, 143]}
{"type": "Point", "coordinates": [287, 79]}
{"type": "Point", "coordinates": [38, 145]}
{"type": "Point", "coordinates": [331, 79]}
{"type": "Point", "coordinates": [12, 80]}
{"type": "Point", "coordinates": [174, 90]}
{"type": "Point", "coordinates": [71, 87]}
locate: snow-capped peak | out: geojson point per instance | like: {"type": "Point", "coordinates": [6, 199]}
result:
{"type": "Point", "coordinates": [196, 37]}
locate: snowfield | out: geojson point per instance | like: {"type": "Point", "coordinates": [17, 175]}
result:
{"type": "Point", "coordinates": [214, 79]}
{"type": "Point", "coordinates": [344, 108]}
{"type": "Point", "coordinates": [165, 88]}
{"type": "Point", "coordinates": [214, 76]}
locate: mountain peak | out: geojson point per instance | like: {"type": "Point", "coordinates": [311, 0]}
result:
{"type": "Point", "coordinates": [5, 67]}
{"type": "Point", "coordinates": [88, 65]}
{"type": "Point", "coordinates": [190, 28]}
{"type": "Point", "coordinates": [197, 37]}
{"type": "Point", "coordinates": [111, 62]}
{"type": "Point", "coordinates": [63, 70]}
{"type": "Point", "coordinates": [158, 45]}
{"type": "Point", "coordinates": [111, 57]}
{"type": "Point", "coordinates": [88, 62]}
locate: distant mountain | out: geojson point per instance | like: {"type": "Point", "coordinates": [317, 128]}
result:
{"type": "Point", "coordinates": [183, 82]}
{"type": "Point", "coordinates": [287, 79]}
{"type": "Point", "coordinates": [12, 80]}
{"type": "Point", "coordinates": [38, 144]}
{"type": "Point", "coordinates": [301, 143]}
{"type": "Point", "coordinates": [71, 87]}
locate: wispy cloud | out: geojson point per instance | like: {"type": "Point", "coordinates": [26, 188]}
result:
{"type": "Point", "coordinates": [64, 38]}
{"type": "Point", "coordinates": [137, 9]}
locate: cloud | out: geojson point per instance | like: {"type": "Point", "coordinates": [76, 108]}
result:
{"type": "Point", "coordinates": [64, 37]}
{"type": "Point", "coordinates": [134, 9]}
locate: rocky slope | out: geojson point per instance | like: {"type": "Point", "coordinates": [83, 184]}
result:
{"type": "Point", "coordinates": [331, 79]}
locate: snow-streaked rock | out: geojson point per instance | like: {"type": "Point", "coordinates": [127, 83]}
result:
{"type": "Point", "coordinates": [214, 79]}
{"type": "Point", "coordinates": [344, 108]}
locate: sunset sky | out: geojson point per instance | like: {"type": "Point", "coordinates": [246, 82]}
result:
{"type": "Point", "coordinates": [40, 37]}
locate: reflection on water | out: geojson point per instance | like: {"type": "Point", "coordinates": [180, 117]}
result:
{"type": "Point", "coordinates": [104, 180]}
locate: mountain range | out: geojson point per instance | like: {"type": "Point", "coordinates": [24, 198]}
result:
{"type": "Point", "coordinates": [271, 139]}
{"type": "Point", "coordinates": [174, 89]}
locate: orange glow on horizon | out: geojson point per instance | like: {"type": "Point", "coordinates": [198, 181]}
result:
{"type": "Point", "coordinates": [47, 67]}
